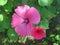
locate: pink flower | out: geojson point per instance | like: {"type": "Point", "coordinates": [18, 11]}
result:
{"type": "Point", "coordinates": [38, 33]}
{"type": "Point", "coordinates": [23, 18]}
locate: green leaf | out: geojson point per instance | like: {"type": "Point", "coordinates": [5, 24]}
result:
{"type": "Point", "coordinates": [29, 2]}
{"type": "Point", "coordinates": [52, 35]}
{"type": "Point", "coordinates": [1, 20]}
{"type": "Point", "coordinates": [58, 27]}
{"type": "Point", "coordinates": [44, 23]}
{"type": "Point", "coordinates": [52, 9]}
{"type": "Point", "coordinates": [17, 2]}
{"type": "Point", "coordinates": [1, 17]}
{"type": "Point", "coordinates": [6, 21]}
{"type": "Point", "coordinates": [57, 37]}
{"type": "Point", "coordinates": [10, 5]}
{"type": "Point", "coordinates": [4, 40]}
{"type": "Point", "coordinates": [45, 43]}
{"type": "Point", "coordinates": [58, 1]}
{"type": "Point", "coordinates": [45, 2]}
{"type": "Point", "coordinates": [1, 29]}
{"type": "Point", "coordinates": [21, 39]}
{"type": "Point", "coordinates": [12, 34]}
{"type": "Point", "coordinates": [55, 44]}
{"type": "Point", "coordinates": [3, 2]}
{"type": "Point", "coordinates": [46, 14]}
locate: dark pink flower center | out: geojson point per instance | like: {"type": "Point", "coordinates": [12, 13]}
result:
{"type": "Point", "coordinates": [38, 31]}
{"type": "Point", "coordinates": [26, 20]}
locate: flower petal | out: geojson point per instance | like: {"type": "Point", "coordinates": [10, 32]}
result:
{"type": "Point", "coordinates": [21, 30]}
{"type": "Point", "coordinates": [16, 20]}
{"type": "Point", "coordinates": [29, 29]}
{"type": "Point", "coordinates": [21, 10]}
{"type": "Point", "coordinates": [34, 15]}
{"type": "Point", "coordinates": [24, 30]}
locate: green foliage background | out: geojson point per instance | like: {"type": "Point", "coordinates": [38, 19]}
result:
{"type": "Point", "coordinates": [50, 20]}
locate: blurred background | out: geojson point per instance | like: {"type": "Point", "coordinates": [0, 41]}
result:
{"type": "Point", "coordinates": [50, 20]}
